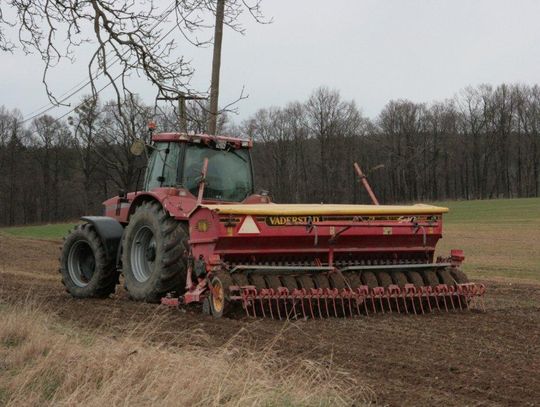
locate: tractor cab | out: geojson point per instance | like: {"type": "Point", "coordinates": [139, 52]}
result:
{"type": "Point", "coordinates": [176, 160]}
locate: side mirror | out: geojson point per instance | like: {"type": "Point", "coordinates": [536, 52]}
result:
{"type": "Point", "coordinates": [138, 147]}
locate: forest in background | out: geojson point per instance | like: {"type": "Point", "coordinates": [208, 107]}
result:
{"type": "Point", "coordinates": [482, 144]}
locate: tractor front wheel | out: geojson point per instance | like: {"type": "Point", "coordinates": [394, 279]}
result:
{"type": "Point", "coordinates": [84, 265]}
{"type": "Point", "coordinates": [154, 254]}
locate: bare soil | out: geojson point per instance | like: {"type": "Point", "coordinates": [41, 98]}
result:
{"type": "Point", "coordinates": [468, 358]}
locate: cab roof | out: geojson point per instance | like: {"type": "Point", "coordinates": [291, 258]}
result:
{"type": "Point", "coordinates": [202, 138]}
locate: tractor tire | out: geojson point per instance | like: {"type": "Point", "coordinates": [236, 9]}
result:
{"type": "Point", "coordinates": [154, 254]}
{"type": "Point", "coordinates": [86, 270]}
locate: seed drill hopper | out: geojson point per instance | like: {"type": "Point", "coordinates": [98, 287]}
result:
{"type": "Point", "coordinates": [198, 233]}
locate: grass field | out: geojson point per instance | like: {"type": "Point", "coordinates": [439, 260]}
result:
{"type": "Point", "coordinates": [54, 231]}
{"type": "Point", "coordinates": [501, 238]}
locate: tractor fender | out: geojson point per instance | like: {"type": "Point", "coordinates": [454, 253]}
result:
{"type": "Point", "coordinates": [110, 232]}
{"type": "Point", "coordinates": [176, 206]}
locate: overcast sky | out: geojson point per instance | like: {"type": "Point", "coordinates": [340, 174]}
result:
{"type": "Point", "coordinates": [372, 51]}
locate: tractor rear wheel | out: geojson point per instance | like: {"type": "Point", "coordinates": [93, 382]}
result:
{"type": "Point", "coordinates": [84, 265]}
{"type": "Point", "coordinates": [154, 253]}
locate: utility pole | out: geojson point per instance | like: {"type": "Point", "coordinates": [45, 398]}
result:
{"type": "Point", "coordinates": [181, 98]}
{"type": "Point", "coordinates": [216, 65]}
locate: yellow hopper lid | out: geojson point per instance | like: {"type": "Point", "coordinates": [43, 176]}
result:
{"type": "Point", "coordinates": [325, 209]}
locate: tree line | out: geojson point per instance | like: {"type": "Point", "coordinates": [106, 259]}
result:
{"type": "Point", "coordinates": [484, 143]}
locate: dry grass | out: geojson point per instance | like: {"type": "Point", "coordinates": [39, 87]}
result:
{"type": "Point", "coordinates": [44, 362]}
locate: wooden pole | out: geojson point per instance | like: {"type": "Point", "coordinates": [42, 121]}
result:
{"type": "Point", "coordinates": [216, 65]}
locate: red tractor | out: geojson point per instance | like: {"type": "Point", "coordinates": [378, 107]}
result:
{"type": "Point", "coordinates": [198, 232]}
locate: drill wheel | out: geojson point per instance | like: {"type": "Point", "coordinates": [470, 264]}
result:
{"type": "Point", "coordinates": [431, 279]}
{"type": "Point", "coordinates": [415, 278]}
{"type": "Point", "coordinates": [289, 282]}
{"type": "Point", "coordinates": [240, 279]}
{"type": "Point", "coordinates": [321, 280]}
{"type": "Point", "coordinates": [258, 281]}
{"type": "Point", "coordinates": [273, 281]}
{"type": "Point", "coordinates": [353, 279]}
{"type": "Point", "coordinates": [305, 282]}
{"type": "Point", "coordinates": [399, 279]}
{"type": "Point", "coordinates": [459, 276]}
{"type": "Point", "coordinates": [337, 281]}
{"type": "Point", "coordinates": [384, 279]}
{"type": "Point", "coordinates": [445, 277]}
{"type": "Point", "coordinates": [218, 300]}
{"type": "Point", "coordinates": [369, 279]}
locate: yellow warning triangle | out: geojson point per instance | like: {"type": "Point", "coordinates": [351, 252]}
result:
{"type": "Point", "coordinates": [249, 226]}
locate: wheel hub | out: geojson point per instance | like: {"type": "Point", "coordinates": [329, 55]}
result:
{"type": "Point", "coordinates": [151, 253]}
{"type": "Point", "coordinates": [143, 254]}
{"type": "Point", "coordinates": [81, 263]}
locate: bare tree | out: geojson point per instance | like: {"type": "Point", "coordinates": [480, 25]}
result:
{"type": "Point", "coordinates": [129, 37]}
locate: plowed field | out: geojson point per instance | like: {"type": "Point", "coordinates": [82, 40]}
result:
{"type": "Point", "coordinates": [468, 358]}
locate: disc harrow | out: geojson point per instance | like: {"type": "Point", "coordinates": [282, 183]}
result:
{"type": "Point", "coordinates": [282, 302]}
